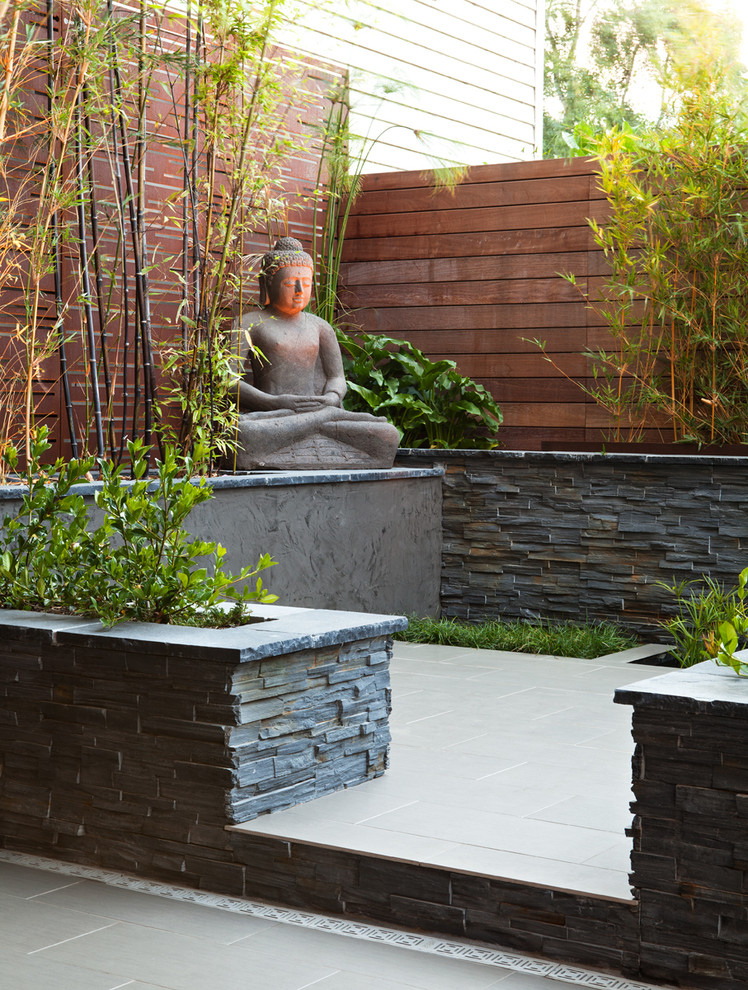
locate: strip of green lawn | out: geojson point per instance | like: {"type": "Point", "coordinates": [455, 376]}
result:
{"type": "Point", "coordinates": [562, 639]}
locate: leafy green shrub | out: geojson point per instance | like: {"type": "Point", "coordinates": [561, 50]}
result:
{"type": "Point", "coordinates": [733, 631]}
{"type": "Point", "coordinates": [563, 639]}
{"type": "Point", "coordinates": [138, 564]}
{"type": "Point", "coordinates": [701, 607]}
{"type": "Point", "coordinates": [430, 402]}
{"type": "Point", "coordinates": [711, 622]}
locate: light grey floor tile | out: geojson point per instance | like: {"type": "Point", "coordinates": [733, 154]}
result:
{"type": "Point", "coordinates": [355, 804]}
{"type": "Point", "coordinates": [178, 962]}
{"type": "Point", "coordinates": [616, 857]}
{"type": "Point", "coordinates": [526, 981]}
{"type": "Point", "coordinates": [493, 831]}
{"type": "Point", "coordinates": [22, 881]}
{"type": "Point", "coordinates": [371, 959]}
{"type": "Point", "coordinates": [356, 981]}
{"type": "Point", "coordinates": [155, 912]}
{"type": "Point", "coordinates": [31, 925]}
{"type": "Point", "coordinates": [341, 835]}
{"type": "Point", "coordinates": [603, 812]}
{"type": "Point", "coordinates": [20, 971]}
{"type": "Point", "coordinates": [451, 763]}
{"type": "Point", "coordinates": [617, 741]}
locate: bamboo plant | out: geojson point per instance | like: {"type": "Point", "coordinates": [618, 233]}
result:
{"type": "Point", "coordinates": [676, 297]}
{"type": "Point", "coordinates": [96, 234]}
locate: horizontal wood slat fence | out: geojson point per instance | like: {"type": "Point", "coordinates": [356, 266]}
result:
{"type": "Point", "coordinates": [473, 274]}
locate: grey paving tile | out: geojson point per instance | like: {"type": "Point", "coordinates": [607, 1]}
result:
{"type": "Point", "coordinates": [450, 762]}
{"type": "Point", "coordinates": [545, 872]}
{"type": "Point", "coordinates": [434, 653]}
{"type": "Point", "coordinates": [152, 911]}
{"type": "Point", "coordinates": [341, 835]}
{"type": "Point", "coordinates": [494, 831]}
{"type": "Point", "coordinates": [566, 757]}
{"type": "Point", "coordinates": [356, 981]}
{"type": "Point", "coordinates": [527, 981]}
{"type": "Point", "coordinates": [355, 804]}
{"type": "Point", "coordinates": [23, 881]}
{"type": "Point", "coordinates": [616, 742]}
{"type": "Point", "coordinates": [20, 971]}
{"type": "Point", "coordinates": [375, 960]}
{"type": "Point", "coordinates": [178, 962]}
{"type": "Point", "coordinates": [616, 857]}
{"type": "Point", "coordinates": [31, 925]}
{"type": "Point", "coordinates": [609, 813]}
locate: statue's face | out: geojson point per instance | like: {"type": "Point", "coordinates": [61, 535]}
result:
{"type": "Point", "coordinates": [291, 289]}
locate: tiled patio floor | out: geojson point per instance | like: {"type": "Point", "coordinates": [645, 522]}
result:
{"type": "Point", "coordinates": [502, 764]}
{"type": "Point", "coordinates": [63, 928]}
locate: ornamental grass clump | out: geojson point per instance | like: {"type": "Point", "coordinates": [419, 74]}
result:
{"type": "Point", "coordinates": [139, 563]}
{"type": "Point", "coordinates": [585, 641]}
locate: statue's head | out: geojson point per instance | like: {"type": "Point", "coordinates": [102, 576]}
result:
{"type": "Point", "coordinates": [286, 277]}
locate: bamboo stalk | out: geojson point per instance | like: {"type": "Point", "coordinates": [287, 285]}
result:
{"type": "Point", "coordinates": [9, 66]}
{"type": "Point", "coordinates": [84, 275]}
{"type": "Point", "coordinates": [145, 322]}
{"type": "Point", "coordinates": [121, 235]}
{"type": "Point", "coordinates": [62, 350]}
{"type": "Point", "coordinates": [98, 282]}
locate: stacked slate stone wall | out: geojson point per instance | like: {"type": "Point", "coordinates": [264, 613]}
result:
{"type": "Point", "coordinates": [122, 751]}
{"type": "Point", "coordinates": [566, 535]}
{"type": "Point", "coordinates": [558, 924]}
{"type": "Point", "coordinates": [690, 858]}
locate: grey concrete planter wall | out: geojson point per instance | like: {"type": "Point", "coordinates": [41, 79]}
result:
{"type": "Point", "coordinates": [569, 535]}
{"type": "Point", "coordinates": [369, 541]}
{"type": "Point", "coordinates": [135, 747]}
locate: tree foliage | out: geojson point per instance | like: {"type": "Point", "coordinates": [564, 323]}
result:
{"type": "Point", "coordinates": [615, 62]}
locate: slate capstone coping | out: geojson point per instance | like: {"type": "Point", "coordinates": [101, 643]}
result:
{"type": "Point", "coordinates": [266, 479]}
{"type": "Point", "coordinates": [291, 631]}
{"type": "Point", "coordinates": [590, 457]}
{"type": "Point", "coordinates": [704, 687]}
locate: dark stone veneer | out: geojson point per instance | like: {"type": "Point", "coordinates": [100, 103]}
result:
{"type": "Point", "coordinates": [575, 535]}
{"type": "Point", "coordinates": [135, 747]}
{"type": "Point", "coordinates": [140, 748]}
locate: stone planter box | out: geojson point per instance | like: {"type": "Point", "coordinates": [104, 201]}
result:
{"type": "Point", "coordinates": [135, 747]}
{"type": "Point", "coordinates": [690, 856]}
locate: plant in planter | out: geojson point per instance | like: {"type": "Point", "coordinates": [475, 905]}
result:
{"type": "Point", "coordinates": [138, 563]}
{"type": "Point", "coordinates": [676, 297]}
{"type": "Point", "coordinates": [734, 630]}
{"type": "Point", "coordinates": [712, 622]}
{"type": "Point", "coordinates": [430, 402]}
{"type": "Point", "coordinates": [700, 608]}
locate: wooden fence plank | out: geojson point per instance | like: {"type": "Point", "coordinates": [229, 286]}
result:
{"type": "Point", "coordinates": [455, 245]}
{"type": "Point", "coordinates": [431, 223]}
{"type": "Point", "coordinates": [475, 277]}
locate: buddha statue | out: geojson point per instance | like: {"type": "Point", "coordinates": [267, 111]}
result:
{"type": "Point", "coordinates": [291, 391]}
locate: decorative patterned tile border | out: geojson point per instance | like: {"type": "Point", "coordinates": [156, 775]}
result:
{"type": "Point", "coordinates": [450, 948]}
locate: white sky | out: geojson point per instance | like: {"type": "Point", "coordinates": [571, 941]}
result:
{"type": "Point", "coordinates": [739, 7]}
